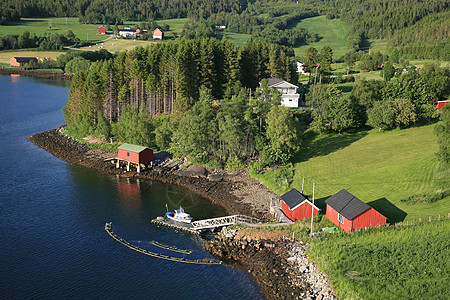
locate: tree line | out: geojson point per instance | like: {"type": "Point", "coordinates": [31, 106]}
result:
{"type": "Point", "coordinates": [179, 78]}
{"type": "Point", "coordinates": [55, 41]}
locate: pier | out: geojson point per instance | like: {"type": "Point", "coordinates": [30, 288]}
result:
{"type": "Point", "coordinates": [197, 227]}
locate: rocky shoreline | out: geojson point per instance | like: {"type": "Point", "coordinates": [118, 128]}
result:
{"type": "Point", "coordinates": [35, 73]}
{"type": "Point", "coordinates": [279, 265]}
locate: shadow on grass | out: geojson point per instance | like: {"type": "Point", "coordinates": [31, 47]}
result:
{"type": "Point", "coordinates": [314, 146]}
{"type": "Point", "coordinates": [389, 210]}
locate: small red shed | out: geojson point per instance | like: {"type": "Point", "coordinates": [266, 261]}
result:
{"type": "Point", "coordinates": [296, 207]}
{"type": "Point", "coordinates": [349, 213]}
{"type": "Point", "coordinates": [102, 30]}
{"type": "Point", "coordinates": [135, 154]}
{"type": "Point", "coordinates": [440, 104]}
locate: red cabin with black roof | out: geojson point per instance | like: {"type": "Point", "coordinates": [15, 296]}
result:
{"type": "Point", "coordinates": [349, 213]}
{"type": "Point", "coordinates": [296, 206]}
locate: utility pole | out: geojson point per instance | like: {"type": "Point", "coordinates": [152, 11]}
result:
{"type": "Point", "coordinates": [312, 211]}
{"type": "Point", "coordinates": [303, 184]}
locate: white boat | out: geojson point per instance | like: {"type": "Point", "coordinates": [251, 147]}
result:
{"type": "Point", "coordinates": [179, 215]}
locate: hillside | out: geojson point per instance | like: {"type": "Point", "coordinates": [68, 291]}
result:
{"type": "Point", "coordinates": [379, 168]}
{"type": "Point", "coordinates": [332, 33]}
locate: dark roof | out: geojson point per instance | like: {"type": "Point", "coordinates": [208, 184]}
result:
{"type": "Point", "coordinates": [293, 198]}
{"type": "Point", "coordinates": [274, 80]}
{"type": "Point", "coordinates": [24, 58]}
{"type": "Point", "coordinates": [347, 205]}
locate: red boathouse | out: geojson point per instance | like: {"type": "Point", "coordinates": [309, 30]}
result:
{"type": "Point", "coordinates": [135, 154]}
{"type": "Point", "coordinates": [296, 207]}
{"type": "Point", "coordinates": [349, 213]}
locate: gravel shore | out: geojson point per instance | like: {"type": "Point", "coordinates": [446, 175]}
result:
{"type": "Point", "coordinates": [278, 264]}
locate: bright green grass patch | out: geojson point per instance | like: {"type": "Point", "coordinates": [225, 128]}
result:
{"type": "Point", "coordinates": [238, 39]}
{"type": "Point", "coordinates": [40, 26]}
{"type": "Point", "coordinates": [380, 168]}
{"type": "Point", "coordinates": [333, 33]}
{"type": "Point", "coordinates": [388, 263]}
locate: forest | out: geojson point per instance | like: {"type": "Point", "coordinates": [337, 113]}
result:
{"type": "Point", "coordinates": [209, 100]}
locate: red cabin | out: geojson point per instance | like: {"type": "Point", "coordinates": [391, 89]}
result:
{"type": "Point", "coordinates": [135, 154]}
{"type": "Point", "coordinates": [296, 207]}
{"type": "Point", "coordinates": [20, 61]}
{"type": "Point", "coordinates": [349, 213]}
{"type": "Point", "coordinates": [102, 30]}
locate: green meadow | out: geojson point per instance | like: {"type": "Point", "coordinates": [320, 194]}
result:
{"type": "Point", "coordinates": [332, 33]}
{"type": "Point", "coordinates": [388, 263]}
{"type": "Point", "coordinates": [41, 26]}
{"type": "Point", "coordinates": [380, 168]}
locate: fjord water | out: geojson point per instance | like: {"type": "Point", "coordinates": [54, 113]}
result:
{"type": "Point", "coordinates": [52, 216]}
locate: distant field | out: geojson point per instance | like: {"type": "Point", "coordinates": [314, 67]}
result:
{"type": "Point", "coordinates": [118, 44]}
{"type": "Point", "coordinates": [378, 168]}
{"type": "Point", "coordinates": [40, 26]}
{"type": "Point", "coordinates": [333, 33]}
{"type": "Point", "coordinates": [5, 56]}
{"type": "Point", "coordinates": [238, 39]}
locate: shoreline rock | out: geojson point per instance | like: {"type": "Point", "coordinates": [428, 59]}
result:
{"type": "Point", "coordinates": [277, 264]}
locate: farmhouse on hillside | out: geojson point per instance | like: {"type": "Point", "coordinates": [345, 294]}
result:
{"type": "Point", "coordinates": [158, 34]}
{"type": "Point", "coordinates": [289, 95]}
{"type": "Point", "coordinates": [20, 61]}
{"type": "Point", "coordinates": [296, 207]}
{"type": "Point", "coordinates": [349, 213]}
{"type": "Point", "coordinates": [102, 30]}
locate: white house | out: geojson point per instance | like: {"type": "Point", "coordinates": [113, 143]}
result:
{"type": "Point", "coordinates": [127, 32]}
{"type": "Point", "coordinates": [289, 95]}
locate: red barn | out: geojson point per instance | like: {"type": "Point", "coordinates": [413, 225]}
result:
{"type": "Point", "coordinates": [296, 207]}
{"type": "Point", "coordinates": [440, 104]}
{"type": "Point", "coordinates": [135, 154]}
{"type": "Point", "coordinates": [349, 213]}
{"type": "Point", "coordinates": [102, 30]}
{"type": "Point", "coordinates": [20, 61]}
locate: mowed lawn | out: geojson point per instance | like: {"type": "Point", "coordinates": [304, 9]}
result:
{"type": "Point", "coordinates": [380, 168]}
{"type": "Point", "coordinates": [332, 33]}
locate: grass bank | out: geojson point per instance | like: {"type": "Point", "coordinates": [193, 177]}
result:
{"type": "Point", "coordinates": [388, 263]}
{"type": "Point", "coordinates": [380, 168]}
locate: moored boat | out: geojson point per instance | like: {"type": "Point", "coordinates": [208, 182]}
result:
{"type": "Point", "coordinates": [179, 216]}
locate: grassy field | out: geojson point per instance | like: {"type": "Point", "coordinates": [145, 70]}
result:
{"type": "Point", "coordinates": [380, 168]}
{"type": "Point", "coordinates": [389, 263]}
{"type": "Point", "coordinates": [117, 44]}
{"type": "Point", "coordinates": [239, 39]}
{"type": "Point", "coordinates": [40, 26]}
{"type": "Point", "coordinates": [332, 33]}
{"type": "Point", "coordinates": [5, 56]}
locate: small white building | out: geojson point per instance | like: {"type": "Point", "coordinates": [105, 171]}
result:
{"type": "Point", "coordinates": [127, 32]}
{"type": "Point", "coordinates": [289, 95]}
{"type": "Point", "coordinates": [301, 68]}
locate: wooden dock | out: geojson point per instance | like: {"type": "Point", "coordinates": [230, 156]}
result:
{"type": "Point", "coordinates": [197, 227]}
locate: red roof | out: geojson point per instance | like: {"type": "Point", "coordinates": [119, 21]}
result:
{"type": "Point", "coordinates": [440, 104]}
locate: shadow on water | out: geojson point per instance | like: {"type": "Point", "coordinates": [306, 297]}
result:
{"type": "Point", "coordinates": [322, 146]}
{"type": "Point", "coordinates": [389, 210]}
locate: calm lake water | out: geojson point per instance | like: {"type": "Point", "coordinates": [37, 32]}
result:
{"type": "Point", "coordinates": [52, 216]}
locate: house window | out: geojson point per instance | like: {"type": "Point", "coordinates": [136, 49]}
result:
{"type": "Point", "coordinates": [341, 219]}
{"type": "Point", "coordinates": [128, 153]}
